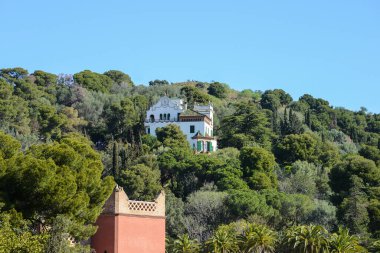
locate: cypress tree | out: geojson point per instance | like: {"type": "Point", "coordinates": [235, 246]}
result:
{"type": "Point", "coordinates": [115, 159]}
{"type": "Point", "coordinates": [307, 118]}
{"type": "Point", "coordinates": [291, 119]}
{"type": "Point", "coordinates": [123, 157]}
{"type": "Point", "coordinates": [284, 123]}
{"type": "Point", "coordinates": [276, 128]}
{"type": "Point", "coordinates": [295, 125]}
{"type": "Point", "coordinates": [285, 116]}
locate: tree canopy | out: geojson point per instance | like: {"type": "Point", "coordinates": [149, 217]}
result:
{"type": "Point", "coordinates": [286, 174]}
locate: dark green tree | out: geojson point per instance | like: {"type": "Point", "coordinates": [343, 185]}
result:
{"type": "Point", "coordinates": [60, 178]}
{"type": "Point", "coordinates": [218, 90]}
{"type": "Point", "coordinates": [158, 82]}
{"type": "Point", "coordinates": [270, 101]}
{"type": "Point", "coordinates": [295, 147]}
{"type": "Point", "coordinates": [115, 160]}
{"type": "Point", "coordinates": [93, 81]}
{"type": "Point", "coordinates": [44, 79]}
{"type": "Point", "coordinates": [122, 119]}
{"type": "Point", "coordinates": [9, 146]}
{"type": "Point", "coordinates": [352, 211]}
{"type": "Point", "coordinates": [245, 127]}
{"type": "Point", "coordinates": [273, 99]}
{"type": "Point", "coordinates": [11, 74]}
{"type": "Point", "coordinates": [353, 166]}
{"type": "Point", "coordinates": [175, 219]}
{"type": "Point", "coordinates": [171, 136]}
{"type": "Point", "coordinates": [141, 182]}
{"type": "Point", "coordinates": [194, 95]}
{"type": "Point", "coordinates": [258, 165]}
{"type": "Point", "coordinates": [371, 152]}
{"type": "Point", "coordinates": [119, 77]}
{"type": "Point", "coordinates": [244, 203]}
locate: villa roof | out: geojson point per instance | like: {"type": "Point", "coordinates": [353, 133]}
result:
{"type": "Point", "coordinates": [190, 112]}
{"type": "Point", "coordinates": [199, 135]}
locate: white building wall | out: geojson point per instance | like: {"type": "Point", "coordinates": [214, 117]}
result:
{"type": "Point", "coordinates": [184, 126]}
{"type": "Point", "coordinates": [206, 110]}
{"type": "Point", "coordinates": [173, 107]}
{"type": "Point", "coordinates": [168, 107]}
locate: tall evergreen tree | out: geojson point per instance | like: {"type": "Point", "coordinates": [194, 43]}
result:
{"type": "Point", "coordinates": [115, 160]}
{"type": "Point", "coordinates": [353, 210]}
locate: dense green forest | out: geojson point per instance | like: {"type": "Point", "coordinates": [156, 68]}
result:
{"type": "Point", "coordinates": [289, 175]}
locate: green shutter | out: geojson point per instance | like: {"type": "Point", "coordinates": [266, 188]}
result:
{"type": "Point", "coordinates": [211, 147]}
{"type": "Point", "coordinates": [199, 146]}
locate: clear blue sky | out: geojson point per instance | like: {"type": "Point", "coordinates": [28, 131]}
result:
{"type": "Point", "coordinates": [329, 49]}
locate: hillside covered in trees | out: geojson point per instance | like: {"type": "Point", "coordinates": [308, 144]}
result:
{"type": "Point", "coordinates": [289, 175]}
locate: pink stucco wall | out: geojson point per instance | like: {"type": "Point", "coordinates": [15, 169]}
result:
{"type": "Point", "coordinates": [141, 234]}
{"type": "Point", "coordinates": [129, 234]}
{"type": "Point", "coordinates": [104, 238]}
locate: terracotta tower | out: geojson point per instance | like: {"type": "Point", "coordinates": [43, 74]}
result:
{"type": "Point", "coordinates": [130, 226]}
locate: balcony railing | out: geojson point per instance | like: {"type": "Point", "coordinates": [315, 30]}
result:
{"type": "Point", "coordinates": [160, 121]}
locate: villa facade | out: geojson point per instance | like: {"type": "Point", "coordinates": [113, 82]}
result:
{"type": "Point", "coordinates": [197, 123]}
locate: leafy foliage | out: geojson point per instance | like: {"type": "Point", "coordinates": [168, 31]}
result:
{"type": "Point", "coordinates": [141, 182]}
{"type": "Point", "coordinates": [94, 81]}
{"type": "Point", "coordinates": [281, 165]}
{"type": "Point", "coordinates": [217, 89]}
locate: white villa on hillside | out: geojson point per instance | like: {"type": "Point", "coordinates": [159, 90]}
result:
{"type": "Point", "coordinates": [196, 123]}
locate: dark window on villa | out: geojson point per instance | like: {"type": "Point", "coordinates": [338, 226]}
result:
{"type": "Point", "coordinates": [160, 116]}
{"type": "Point", "coordinates": [152, 118]}
{"type": "Point", "coordinates": [148, 130]}
{"type": "Point", "coordinates": [168, 116]}
{"type": "Point", "coordinates": [192, 129]}
{"type": "Point", "coordinates": [164, 116]}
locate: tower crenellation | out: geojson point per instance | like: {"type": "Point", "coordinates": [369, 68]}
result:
{"type": "Point", "coordinates": [119, 203]}
{"type": "Point", "coordinates": [131, 226]}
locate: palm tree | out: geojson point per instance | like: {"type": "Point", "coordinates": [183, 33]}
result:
{"type": "Point", "coordinates": [343, 242]}
{"type": "Point", "coordinates": [306, 239]}
{"type": "Point", "coordinates": [375, 246]}
{"type": "Point", "coordinates": [223, 241]}
{"type": "Point", "coordinates": [183, 244]}
{"type": "Point", "coordinates": [257, 239]}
